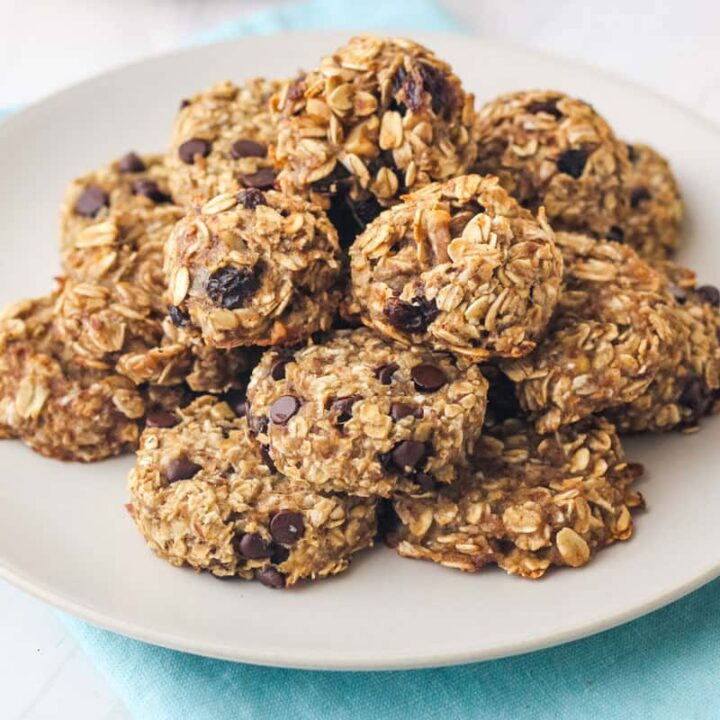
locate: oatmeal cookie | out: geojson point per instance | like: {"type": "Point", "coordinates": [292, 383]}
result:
{"type": "Point", "coordinates": [653, 223]}
{"type": "Point", "coordinates": [531, 502]}
{"type": "Point", "coordinates": [687, 383]}
{"type": "Point", "coordinates": [62, 398]}
{"type": "Point", "coordinates": [220, 141]}
{"type": "Point", "coordinates": [377, 119]}
{"type": "Point", "coordinates": [114, 222]}
{"type": "Point", "coordinates": [555, 151]}
{"type": "Point", "coordinates": [363, 415]}
{"type": "Point", "coordinates": [203, 495]}
{"type": "Point", "coordinates": [606, 341]}
{"type": "Point", "coordinates": [254, 268]}
{"type": "Point", "coordinates": [459, 266]}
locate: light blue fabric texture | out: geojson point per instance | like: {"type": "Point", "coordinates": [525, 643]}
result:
{"type": "Point", "coordinates": [666, 665]}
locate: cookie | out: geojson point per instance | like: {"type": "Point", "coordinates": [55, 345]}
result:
{"type": "Point", "coordinates": [377, 119]}
{"type": "Point", "coordinates": [607, 338]}
{"type": "Point", "coordinates": [114, 222]}
{"type": "Point", "coordinates": [203, 495]}
{"type": "Point", "coordinates": [687, 385]}
{"type": "Point", "coordinates": [531, 502]}
{"type": "Point", "coordinates": [551, 150]}
{"type": "Point", "coordinates": [652, 226]}
{"type": "Point", "coordinates": [458, 266]}
{"type": "Point", "coordinates": [363, 415]}
{"type": "Point", "coordinates": [254, 268]}
{"type": "Point", "coordinates": [220, 142]}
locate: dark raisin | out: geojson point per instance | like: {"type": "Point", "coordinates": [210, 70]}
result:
{"type": "Point", "coordinates": [179, 317]}
{"type": "Point", "coordinates": [572, 162]}
{"type": "Point", "coordinates": [410, 317]}
{"type": "Point", "coordinates": [549, 107]}
{"type": "Point", "coordinates": [231, 286]}
{"type": "Point", "coordinates": [615, 234]}
{"type": "Point", "coordinates": [251, 198]}
{"type": "Point", "coordinates": [638, 195]}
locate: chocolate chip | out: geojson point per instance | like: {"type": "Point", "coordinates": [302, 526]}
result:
{"type": "Point", "coordinates": [638, 195]}
{"type": "Point", "coordinates": [235, 398]}
{"type": "Point", "coordinates": [399, 410]}
{"type": "Point", "coordinates": [151, 190]}
{"type": "Point", "coordinates": [425, 481]}
{"type": "Point", "coordinates": [251, 198]}
{"type": "Point", "coordinates": [253, 546]}
{"type": "Point", "coordinates": [283, 409]}
{"type": "Point", "coordinates": [92, 199]}
{"type": "Point", "coordinates": [279, 554]}
{"type": "Point", "coordinates": [131, 163]}
{"type": "Point", "coordinates": [267, 460]}
{"type": "Point", "coordinates": [190, 149]}
{"type": "Point", "coordinates": [709, 294]}
{"type": "Point", "coordinates": [549, 107]}
{"type": "Point", "coordinates": [572, 162]}
{"type": "Point", "coordinates": [181, 468]}
{"type": "Point", "coordinates": [342, 407]}
{"type": "Point", "coordinates": [428, 378]}
{"type": "Point", "coordinates": [615, 234]}
{"type": "Point", "coordinates": [385, 372]}
{"type": "Point", "coordinates": [263, 179]}
{"type": "Point", "coordinates": [247, 148]}
{"type": "Point", "coordinates": [277, 369]}
{"type": "Point", "coordinates": [161, 419]}
{"type": "Point", "coordinates": [270, 577]}
{"type": "Point", "coordinates": [231, 286]}
{"type": "Point", "coordinates": [287, 527]}
{"type": "Point", "coordinates": [408, 454]}
{"type": "Point", "coordinates": [178, 316]}
{"type": "Point", "coordinates": [410, 317]}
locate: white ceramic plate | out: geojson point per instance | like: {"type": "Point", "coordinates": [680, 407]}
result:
{"type": "Point", "coordinates": [65, 536]}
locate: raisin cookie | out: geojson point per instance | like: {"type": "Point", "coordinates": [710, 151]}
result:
{"type": "Point", "coordinates": [653, 223]}
{"type": "Point", "coordinates": [363, 415]}
{"type": "Point", "coordinates": [531, 502]}
{"type": "Point", "coordinates": [606, 341]}
{"type": "Point", "coordinates": [220, 141]}
{"type": "Point", "coordinates": [378, 118]}
{"type": "Point", "coordinates": [203, 495]}
{"type": "Point", "coordinates": [458, 266]}
{"type": "Point", "coordinates": [555, 151]}
{"type": "Point", "coordinates": [254, 268]}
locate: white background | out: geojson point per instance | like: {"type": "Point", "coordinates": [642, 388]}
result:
{"type": "Point", "coordinates": [672, 47]}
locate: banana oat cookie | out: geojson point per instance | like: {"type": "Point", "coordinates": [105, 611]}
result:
{"type": "Point", "coordinates": [367, 416]}
{"type": "Point", "coordinates": [531, 502]}
{"type": "Point", "coordinates": [114, 222]}
{"type": "Point", "coordinates": [254, 268]}
{"type": "Point", "coordinates": [653, 223]}
{"type": "Point", "coordinates": [378, 118]}
{"type": "Point", "coordinates": [555, 151]}
{"type": "Point", "coordinates": [687, 385]}
{"type": "Point", "coordinates": [607, 338]}
{"type": "Point", "coordinates": [220, 141]}
{"type": "Point", "coordinates": [459, 266]}
{"type": "Point", "coordinates": [204, 495]}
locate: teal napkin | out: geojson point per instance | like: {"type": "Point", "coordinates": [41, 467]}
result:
{"type": "Point", "coordinates": [666, 665]}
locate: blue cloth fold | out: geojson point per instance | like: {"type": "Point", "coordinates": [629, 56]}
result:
{"type": "Point", "coordinates": [666, 665]}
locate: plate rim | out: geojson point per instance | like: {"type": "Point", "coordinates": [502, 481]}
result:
{"type": "Point", "coordinates": [309, 659]}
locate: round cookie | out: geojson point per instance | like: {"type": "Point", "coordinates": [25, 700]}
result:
{"type": "Point", "coordinates": [531, 502]}
{"type": "Point", "coordinates": [114, 222]}
{"type": "Point", "coordinates": [203, 495]}
{"type": "Point", "coordinates": [220, 141]}
{"type": "Point", "coordinates": [377, 119]}
{"type": "Point", "coordinates": [687, 384]}
{"type": "Point", "coordinates": [653, 223]}
{"type": "Point", "coordinates": [63, 398]}
{"type": "Point", "coordinates": [555, 151]}
{"type": "Point", "coordinates": [363, 415]}
{"type": "Point", "coordinates": [607, 338]}
{"type": "Point", "coordinates": [458, 266]}
{"type": "Point", "coordinates": [254, 268]}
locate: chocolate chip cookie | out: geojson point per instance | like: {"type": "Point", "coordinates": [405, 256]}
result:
{"type": "Point", "coordinates": [367, 416]}
{"type": "Point", "coordinates": [530, 502]}
{"type": "Point", "coordinates": [458, 266]}
{"type": "Point", "coordinates": [254, 268]}
{"type": "Point", "coordinates": [203, 494]}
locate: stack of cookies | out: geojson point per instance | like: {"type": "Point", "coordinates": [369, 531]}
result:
{"type": "Point", "coordinates": [349, 305]}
